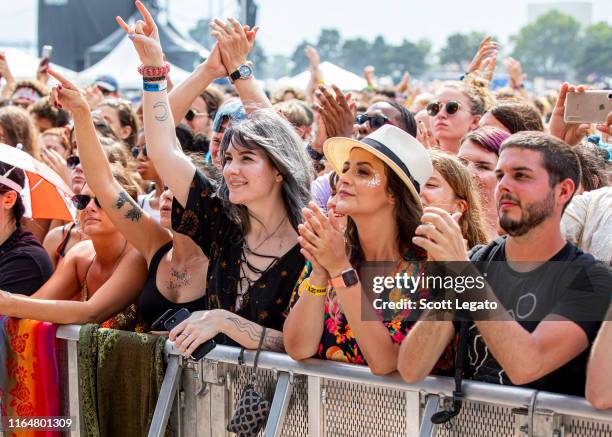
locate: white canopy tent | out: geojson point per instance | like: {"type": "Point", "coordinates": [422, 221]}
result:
{"type": "Point", "coordinates": [24, 66]}
{"type": "Point", "coordinates": [332, 74]}
{"type": "Point", "coordinates": [122, 63]}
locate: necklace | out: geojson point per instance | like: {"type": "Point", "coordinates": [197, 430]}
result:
{"type": "Point", "coordinates": [246, 245]}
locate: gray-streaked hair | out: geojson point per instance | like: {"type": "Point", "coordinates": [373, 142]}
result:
{"type": "Point", "coordinates": [277, 138]}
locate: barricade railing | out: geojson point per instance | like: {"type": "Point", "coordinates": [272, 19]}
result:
{"type": "Point", "coordinates": [326, 398]}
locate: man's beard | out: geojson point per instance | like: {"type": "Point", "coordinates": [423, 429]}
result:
{"type": "Point", "coordinates": [531, 216]}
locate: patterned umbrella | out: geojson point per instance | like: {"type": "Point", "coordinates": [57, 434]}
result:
{"type": "Point", "coordinates": [45, 195]}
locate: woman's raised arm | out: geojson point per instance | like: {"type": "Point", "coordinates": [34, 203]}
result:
{"type": "Point", "coordinates": [173, 166]}
{"type": "Point", "coordinates": [143, 232]}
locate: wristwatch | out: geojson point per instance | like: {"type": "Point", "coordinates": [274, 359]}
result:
{"type": "Point", "coordinates": [244, 71]}
{"type": "Point", "coordinates": [346, 279]}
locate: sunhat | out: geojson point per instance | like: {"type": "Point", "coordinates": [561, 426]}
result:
{"type": "Point", "coordinates": [395, 147]}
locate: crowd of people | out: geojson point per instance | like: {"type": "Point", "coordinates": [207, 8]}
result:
{"type": "Point", "coordinates": [259, 213]}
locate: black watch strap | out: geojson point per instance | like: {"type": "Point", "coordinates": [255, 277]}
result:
{"type": "Point", "coordinates": [235, 75]}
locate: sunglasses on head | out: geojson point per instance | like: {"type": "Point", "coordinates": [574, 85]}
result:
{"type": "Point", "coordinates": [434, 107]}
{"type": "Point", "coordinates": [72, 161]}
{"type": "Point", "coordinates": [136, 151]}
{"type": "Point", "coordinates": [80, 201]}
{"type": "Point", "coordinates": [376, 121]}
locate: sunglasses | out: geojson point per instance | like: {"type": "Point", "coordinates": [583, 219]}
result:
{"type": "Point", "coordinates": [72, 162]}
{"type": "Point", "coordinates": [191, 114]}
{"type": "Point", "coordinates": [451, 107]}
{"type": "Point", "coordinates": [136, 151]}
{"type": "Point", "coordinates": [80, 201]}
{"type": "Point", "coordinates": [376, 121]}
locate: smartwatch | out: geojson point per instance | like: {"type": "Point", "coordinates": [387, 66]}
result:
{"type": "Point", "coordinates": [244, 71]}
{"type": "Point", "coordinates": [346, 279]}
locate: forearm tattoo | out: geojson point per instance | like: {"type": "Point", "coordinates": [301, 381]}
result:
{"type": "Point", "coordinates": [134, 213]}
{"type": "Point", "coordinates": [164, 113]}
{"type": "Point", "coordinates": [272, 342]}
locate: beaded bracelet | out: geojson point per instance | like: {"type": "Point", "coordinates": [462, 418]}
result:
{"type": "Point", "coordinates": [149, 71]}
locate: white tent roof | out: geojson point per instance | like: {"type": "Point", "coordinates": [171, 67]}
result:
{"type": "Point", "coordinates": [332, 74]}
{"type": "Point", "coordinates": [122, 63]}
{"type": "Point", "coordinates": [24, 65]}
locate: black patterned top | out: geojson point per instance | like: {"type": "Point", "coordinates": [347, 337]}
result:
{"type": "Point", "coordinates": [206, 222]}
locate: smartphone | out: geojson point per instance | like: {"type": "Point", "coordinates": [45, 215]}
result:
{"type": "Point", "coordinates": [158, 325]}
{"type": "Point", "coordinates": [591, 106]}
{"type": "Point", "coordinates": [46, 52]}
{"type": "Point", "coordinates": [176, 318]}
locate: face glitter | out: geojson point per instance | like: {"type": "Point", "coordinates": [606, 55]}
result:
{"type": "Point", "coordinates": [374, 181]}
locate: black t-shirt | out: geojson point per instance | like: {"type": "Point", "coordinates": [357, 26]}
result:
{"type": "Point", "coordinates": [24, 264]}
{"type": "Point", "coordinates": [152, 304]}
{"type": "Point", "coordinates": [572, 284]}
{"type": "Point", "coordinates": [204, 219]}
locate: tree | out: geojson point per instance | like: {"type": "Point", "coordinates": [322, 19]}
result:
{"type": "Point", "coordinates": [460, 49]}
{"type": "Point", "coordinates": [548, 46]}
{"type": "Point", "coordinates": [355, 54]}
{"type": "Point", "coordinates": [595, 54]}
{"type": "Point", "coordinates": [329, 45]}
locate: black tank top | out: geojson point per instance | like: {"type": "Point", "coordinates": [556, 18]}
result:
{"type": "Point", "coordinates": [152, 303]}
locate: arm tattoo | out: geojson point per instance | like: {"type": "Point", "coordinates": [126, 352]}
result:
{"type": "Point", "coordinates": [134, 213]}
{"type": "Point", "coordinates": [123, 197]}
{"type": "Point", "coordinates": [164, 113]}
{"type": "Point", "coordinates": [272, 342]}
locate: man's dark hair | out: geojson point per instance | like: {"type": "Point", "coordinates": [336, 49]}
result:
{"type": "Point", "coordinates": [517, 117]}
{"type": "Point", "coordinates": [558, 158]}
{"type": "Point", "coordinates": [405, 118]}
{"type": "Point", "coordinates": [43, 109]}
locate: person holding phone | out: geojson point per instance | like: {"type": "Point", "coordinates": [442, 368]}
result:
{"type": "Point", "coordinates": [177, 266]}
{"type": "Point", "coordinates": [246, 227]}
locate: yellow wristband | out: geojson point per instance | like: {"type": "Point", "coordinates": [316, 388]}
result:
{"type": "Point", "coordinates": [317, 291]}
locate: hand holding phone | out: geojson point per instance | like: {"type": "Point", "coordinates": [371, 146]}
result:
{"type": "Point", "coordinates": [170, 319]}
{"type": "Point", "coordinates": [590, 106]}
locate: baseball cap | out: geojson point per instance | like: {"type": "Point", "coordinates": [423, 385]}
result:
{"type": "Point", "coordinates": [107, 83]}
{"type": "Point", "coordinates": [232, 110]}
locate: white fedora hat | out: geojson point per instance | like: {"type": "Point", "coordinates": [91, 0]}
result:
{"type": "Point", "coordinates": [395, 147]}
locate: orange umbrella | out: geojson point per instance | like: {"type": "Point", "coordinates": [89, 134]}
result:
{"type": "Point", "coordinates": [45, 195]}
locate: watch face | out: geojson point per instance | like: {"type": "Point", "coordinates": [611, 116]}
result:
{"type": "Point", "coordinates": [350, 278]}
{"type": "Point", "coordinates": [245, 71]}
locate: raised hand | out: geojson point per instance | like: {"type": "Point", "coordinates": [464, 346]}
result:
{"type": "Point", "coordinates": [571, 133]}
{"type": "Point", "coordinates": [515, 71]}
{"type": "Point", "coordinates": [145, 37]}
{"type": "Point", "coordinates": [67, 95]}
{"type": "Point", "coordinates": [488, 67]}
{"type": "Point", "coordinates": [57, 163]}
{"type": "Point", "coordinates": [235, 41]}
{"type": "Point", "coordinates": [5, 71]}
{"type": "Point", "coordinates": [41, 73]}
{"type": "Point", "coordinates": [404, 84]}
{"type": "Point", "coordinates": [338, 113]}
{"type": "Point", "coordinates": [313, 57]}
{"type": "Point", "coordinates": [487, 48]}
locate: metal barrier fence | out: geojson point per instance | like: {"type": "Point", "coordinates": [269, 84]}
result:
{"type": "Point", "coordinates": [324, 398]}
